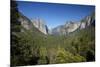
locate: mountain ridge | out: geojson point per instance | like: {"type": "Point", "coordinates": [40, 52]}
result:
{"type": "Point", "coordinates": [28, 24]}
{"type": "Point", "coordinates": [70, 26]}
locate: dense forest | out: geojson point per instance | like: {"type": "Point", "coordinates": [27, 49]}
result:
{"type": "Point", "coordinates": [32, 47]}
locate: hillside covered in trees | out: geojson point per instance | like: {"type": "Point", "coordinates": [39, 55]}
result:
{"type": "Point", "coordinates": [32, 47]}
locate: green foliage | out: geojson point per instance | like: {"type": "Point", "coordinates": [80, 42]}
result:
{"type": "Point", "coordinates": [42, 55]}
{"type": "Point", "coordinates": [32, 47]}
{"type": "Point", "coordinates": [64, 56]}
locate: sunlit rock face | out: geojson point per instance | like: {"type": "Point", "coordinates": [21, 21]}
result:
{"type": "Point", "coordinates": [82, 26]}
{"type": "Point", "coordinates": [40, 24]}
{"type": "Point", "coordinates": [85, 22]}
{"type": "Point", "coordinates": [25, 22]}
{"type": "Point", "coordinates": [66, 28]}
{"type": "Point", "coordinates": [71, 26]}
{"type": "Point", "coordinates": [28, 24]}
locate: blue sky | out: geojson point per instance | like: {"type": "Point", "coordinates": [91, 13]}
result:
{"type": "Point", "coordinates": [54, 14]}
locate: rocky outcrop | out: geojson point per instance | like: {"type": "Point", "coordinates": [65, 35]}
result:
{"type": "Point", "coordinates": [66, 28]}
{"type": "Point", "coordinates": [28, 24]}
{"type": "Point", "coordinates": [73, 26]}
{"type": "Point", "coordinates": [40, 24]}
{"type": "Point", "coordinates": [25, 22]}
{"type": "Point", "coordinates": [87, 21]}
